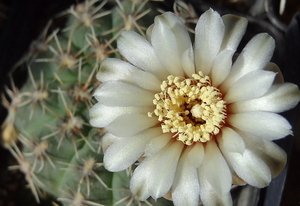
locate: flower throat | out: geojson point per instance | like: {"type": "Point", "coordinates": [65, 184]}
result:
{"type": "Point", "coordinates": [191, 109]}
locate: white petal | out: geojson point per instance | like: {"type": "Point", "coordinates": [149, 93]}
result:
{"type": "Point", "coordinates": [149, 33]}
{"type": "Point", "coordinates": [280, 98]}
{"type": "Point", "coordinates": [185, 189]}
{"type": "Point", "coordinates": [232, 141]}
{"type": "Point", "coordinates": [274, 156]}
{"type": "Point", "coordinates": [107, 140]}
{"type": "Point", "coordinates": [250, 86]}
{"type": "Point", "coordinates": [214, 177]}
{"type": "Point", "coordinates": [235, 28]}
{"type": "Point", "coordinates": [236, 180]}
{"type": "Point", "coordinates": [196, 155]}
{"type": "Point", "coordinates": [101, 115]}
{"type": "Point", "coordinates": [187, 61]}
{"type": "Point", "coordinates": [157, 143]}
{"type": "Point", "coordinates": [115, 69]}
{"type": "Point", "coordinates": [255, 56]}
{"type": "Point", "coordinates": [162, 175]}
{"type": "Point", "coordinates": [274, 68]}
{"type": "Point", "coordinates": [124, 152]}
{"type": "Point", "coordinates": [139, 181]}
{"type": "Point", "coordinates": [269, 126]}
{"type": "Point", "coordinates": [215, 169]}
{"type": "Point", "coordinates": [116, 93]}
{"type": "Point", "coordinates": [209, 34]}
{"type": "Point", "coordinates": [210, 197]}
{"type": "Point", "coordinates": [249, 167]}
{"type": "Point", "coordinates": [146, 175]}
{"type": "Point", "coordinates": [146, 80]}
{"type": "Point", "coordinates": [140, 53]}
{"type": "Point", "coordinates": [130, 124]}
{"type": "Point", "coordinates": [221, 67]}
{"type": "Point", "coordinates": [170, 39]}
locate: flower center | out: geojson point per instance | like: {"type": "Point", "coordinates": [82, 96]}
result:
{"type": "Point", "coordinates": [191, 109]}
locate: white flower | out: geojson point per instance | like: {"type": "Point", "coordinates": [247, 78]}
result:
{"type": "Point", "coordinates": [197, 122]}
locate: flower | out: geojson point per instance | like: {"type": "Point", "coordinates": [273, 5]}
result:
{"type": "Point", "coordinates": [195, 120]}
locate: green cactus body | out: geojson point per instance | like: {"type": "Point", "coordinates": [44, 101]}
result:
{"type": "Point", "coordinates": [61, 153]}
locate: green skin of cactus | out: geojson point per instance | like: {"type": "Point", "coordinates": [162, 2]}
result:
{"type": "Point", "coordinates": [34, 122]}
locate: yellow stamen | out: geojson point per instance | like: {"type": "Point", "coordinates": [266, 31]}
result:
{"type": "Point", "coordinates": [192, 109]}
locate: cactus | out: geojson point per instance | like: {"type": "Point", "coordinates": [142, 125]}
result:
{"type": "Point", "coordinates": [47, 129]}
{"type": "Point", "coordinates": [60, 152]}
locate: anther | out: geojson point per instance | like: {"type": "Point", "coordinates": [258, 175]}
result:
{"type": "Point", "coordinates": [191, 109]}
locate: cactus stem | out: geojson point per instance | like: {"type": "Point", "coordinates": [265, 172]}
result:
{"type": "Point", "coordinates": [73, 125]}
{"type": "Point", "coordinates": [39, 151]}
{"type": "Point", "coordinates": [69, 46]}
{"type": "Point", "coordinates": [9, 134]}
{"type": "Point", "coordinates": [185, 11]}
{"type": "Point", "coordinates": [25, 167]}
{"type": "Point", "coordinates": [100, 50]}
{"type": "Point", "coordinates": [38, 95]}
{"type": "Point", "coordinates": [84, 12]}
{"type": "Point", "coordinates": [69, 127]}
{"type": "Point", "coordinates": [86, 169]}
{"type": "Point", "coordinates": [100, 132]}
{"type": "Point", "coordinates": [130, 19]}
{"type": "Point", "coordinates": [15, 96]}
{"type": "Point", "coordinates": [65, 59]}
{"type": "Point", "coordinates": [85, 139]}
{"type": "Point", "coordinates": [83, 92]}
{"type": "Point", "coordinates": [41, 44]}
{"type": "Point", "coordinates": [9, 131]}
{"type": "Point", "coordinates": [80, 92]}
{"type": "Point", "coordinates": [131, 199]}
{"type": "Point", "coordinates": [77, 199]}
